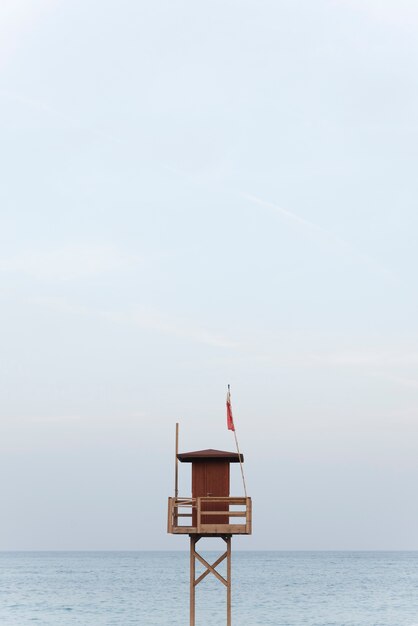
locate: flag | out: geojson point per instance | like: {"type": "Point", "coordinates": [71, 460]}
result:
{"type": "Point", "coordinates": [229, 418]}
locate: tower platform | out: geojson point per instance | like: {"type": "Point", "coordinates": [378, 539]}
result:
{"type": "Point", "coordinates": [209, 516]}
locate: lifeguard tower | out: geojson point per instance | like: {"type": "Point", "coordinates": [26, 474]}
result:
{"type": "Point", "coordinates": [210, 512]}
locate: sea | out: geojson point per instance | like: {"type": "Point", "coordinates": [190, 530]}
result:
{"type": "Point", "coordinates": [152, 589]}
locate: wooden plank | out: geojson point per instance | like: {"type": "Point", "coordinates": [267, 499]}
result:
{"type": "Point", "coordinates": [229, 499]}
{"type": "Point", "coordinates": [223, 529]}
{"type": "Point", "coordinates": [230, 513]}
{"type": "Point", "coordinates": [212, 530]}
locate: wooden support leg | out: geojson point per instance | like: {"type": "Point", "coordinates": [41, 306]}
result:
{"type": "Point", "coordinates": [228, 577]}
{"type": "Point", "coordinates": [192, 580]}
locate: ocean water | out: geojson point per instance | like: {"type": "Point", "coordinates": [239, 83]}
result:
{"type": "Point", "coordinates": [152, 589]}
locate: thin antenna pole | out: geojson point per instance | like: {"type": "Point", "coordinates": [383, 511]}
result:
{"type": "Point", "coordinates": [176, 472]}
{"type": "Point", "coordinates": [239, 455]}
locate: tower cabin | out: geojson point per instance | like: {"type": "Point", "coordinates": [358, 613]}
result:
{"type": "Point", "coordinates": [210, 511]}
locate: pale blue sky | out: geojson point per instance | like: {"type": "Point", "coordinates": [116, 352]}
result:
{"type": "Point", "coordinates": [194, 194]}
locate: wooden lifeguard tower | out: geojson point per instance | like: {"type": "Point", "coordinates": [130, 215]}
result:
{"type": "Point", "coordinates": [209, 512]}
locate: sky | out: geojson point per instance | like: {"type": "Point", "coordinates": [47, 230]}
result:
{"type": "Point", "coordinates": [196, 194]}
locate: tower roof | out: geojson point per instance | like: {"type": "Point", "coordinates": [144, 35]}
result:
{"type": "Point", "coordinates": [209, 455]}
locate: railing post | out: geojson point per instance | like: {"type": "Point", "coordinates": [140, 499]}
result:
{"type": "Point", "coordinates": [249, 520]}
{"type": "Point", "coordinates": [175, 512]}
{"type": "Point", "coordinates": [198, 514]}
{"type": "Point", "coordinates": [170, 516]}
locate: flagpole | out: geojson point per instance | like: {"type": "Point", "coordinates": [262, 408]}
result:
{"type": "Point", "coordinates": [239, 453]}
{"type": "Point", "coordinates": [240, 463]}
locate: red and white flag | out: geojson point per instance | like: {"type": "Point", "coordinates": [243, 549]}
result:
{"type": "Point", "coordinates": [229, 418]}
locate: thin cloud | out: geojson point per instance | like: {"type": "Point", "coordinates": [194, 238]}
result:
{"type": "Point", "coordinates": [177, 328]}
{"type": "Point", "coordinates": [320, 231]}
{"type": "Point", "coordinates": [54, 418]}
{"type": "Point", "coordinates": [70, 262]}
{"type": "Point", "coordinates": [411, 383]}
{"type": "Point", "coordinates": [278, 209]}
{"type": "Point", "coordinates": [359, 358]}
{"type": "Point", "coordinates": [147, 320]}
{"type": "Point", "coordinates": [401, 12]}
{"type": "Point", "coordinates": [17, 17]}
{"type": "Point", "coordinates": [49, 111]}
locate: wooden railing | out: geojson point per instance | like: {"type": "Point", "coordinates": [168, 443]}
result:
{"type": "Point", "coordinates": [199, 511]}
